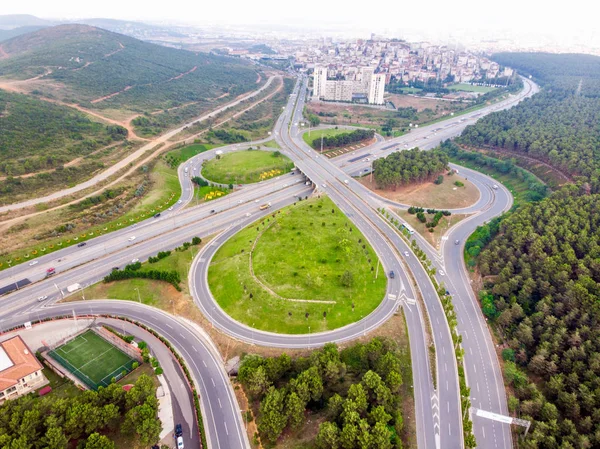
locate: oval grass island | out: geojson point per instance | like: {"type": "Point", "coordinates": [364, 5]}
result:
{"type": "Point", "coordinates": [303, 269]}
{"type": "Point", "coordinates": [246, 167]}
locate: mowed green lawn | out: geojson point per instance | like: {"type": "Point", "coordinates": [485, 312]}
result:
{"type": "Point", "coordinates": [317, 133]}
{"type": "Point", "coordinates": [244, 167]}
{"type": "Point", "coordinates": [469, 88]}
{"type": "Point", "coordinates": [91, 356]}
{"type": "Point", "coordinates": [302, 254]}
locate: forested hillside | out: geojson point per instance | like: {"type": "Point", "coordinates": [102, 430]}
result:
{"type": "Point", "coordinates": [38, 135]}
{"type": "Point", "coordinates": [403, 167]}
{"type": "Point", "coordinates": [541, 267]}
{"type": "Point", "coordinates": [560, 125]}
{"type": "Point", "coordinates": [545, 300]}
{"type": "Point", "coordinates": [92, 64]}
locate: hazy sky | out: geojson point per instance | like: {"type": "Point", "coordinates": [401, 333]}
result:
{"type": "Point", "coordinates": [564, 22]}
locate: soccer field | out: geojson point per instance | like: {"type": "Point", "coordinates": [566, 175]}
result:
{"type": "Point", "coordinates": [92, 359]}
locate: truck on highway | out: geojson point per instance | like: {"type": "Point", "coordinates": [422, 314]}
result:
{"type": "Point", "coordinates": [73, 287]}
{"type": "Point", "coordinates": [265, 206]}
{"type": "Point", "coordinates": [50, 272]}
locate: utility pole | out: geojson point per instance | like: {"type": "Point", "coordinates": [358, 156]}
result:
{"type": "Point", "coordinates": [321, 143]}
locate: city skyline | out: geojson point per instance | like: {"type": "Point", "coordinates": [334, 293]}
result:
{"type": "Point", "coordinates": [470, 23]}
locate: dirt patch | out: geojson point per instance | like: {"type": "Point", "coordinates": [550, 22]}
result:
{"type": "Point", "coordinates": [427, 194]}
{"type": "Point", "coordinates": [106, 97]}
{"type": "Point", "coordinates": [543, 170]}
{"type": "Point", "coordinates": [433, 238]}
{"type": "Point", "coordinates": [4, 55]}
{"type": "Point", "coordinates": [419, 103]}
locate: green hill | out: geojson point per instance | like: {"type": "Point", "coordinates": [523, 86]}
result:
{"type": "Point", "coordinates": [84, 64]}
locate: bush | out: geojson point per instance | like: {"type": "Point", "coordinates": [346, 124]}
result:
{"type": "Point", "coordinates": [439, 180]}
{"type": "Point", "coordinates": [196, 241]}
{"type": "Point", "coordinates": [458, 184]}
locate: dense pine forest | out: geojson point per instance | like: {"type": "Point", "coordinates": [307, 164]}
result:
{"type": "Point", "coordinates": [559, 125]}
{"type": "Point", "coordinates": [541, 267]}
{"type": "Point", "coordinates": [403, 167]}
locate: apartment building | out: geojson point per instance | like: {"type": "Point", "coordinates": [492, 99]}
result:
{"type": "Point", "coordinates": [362, 81]}
{"type": "Point", "coordinates": [377, 88]}
{"type": "Point", "coordinates": [20, 371]}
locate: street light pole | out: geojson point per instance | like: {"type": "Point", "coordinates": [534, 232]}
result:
{"type": "Point", "coordinates": [138, 293]}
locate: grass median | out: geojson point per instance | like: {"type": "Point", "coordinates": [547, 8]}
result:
{"type": "Point", "coordinates": [312, 271]}
{"type": "Point", "coordinates": [245, 167]}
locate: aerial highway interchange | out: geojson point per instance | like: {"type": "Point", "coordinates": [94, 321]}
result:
{"type": "Point", "coordinates": [437, 401]}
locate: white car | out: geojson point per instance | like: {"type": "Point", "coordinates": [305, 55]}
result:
{"type": "Point", "coordinates": [248, 214]}
{"type": "Point", "coordinates": [324, 186]}
{"type": "Point", "coordinates": [256, 201]}
{"type": "Point", "coordinates": [406, 253]}
{"type": "Point", "coordinates": [240, 201]}
{"type": "Point", "coordinates": [171, 208]}
{"type": "Point", "coordinates": [42, 298]}
{"type": "Point", "coordinates": [285, 185]}
{"type": "Point", "coordinates": [135, 260]}
{"type": "Point", "coordinates": [442, 272]}
{"type": "Point", "coordinates": [179, 442]}
{"type": "Point", "coordinates": [33, 262]}
{"type": "Point", "coordinates": [345, 181]}
{"type": "Point", "coordinates": [179, 202]}
{"type": "Point", "coordinates": [132, 238]}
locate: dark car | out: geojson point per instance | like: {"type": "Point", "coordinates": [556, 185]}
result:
{"type": "Point", "coordinates": [212, 211]}
{"type": "Point", "coordinates": [392, 274]}
{"type": "Point", "coordinates": [81, 244]}
{"type": "Point", "coordinates": [178, 430]}
{"type": "Point", "coordinates": [157, 215]}
{"type": "Point", "coordinates": [115, 268]}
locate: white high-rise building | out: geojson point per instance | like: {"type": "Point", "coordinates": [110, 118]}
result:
{"type": "Point", "coordinates": [319, 82]}
{"type": "Point", "coordinates": [377, 88]}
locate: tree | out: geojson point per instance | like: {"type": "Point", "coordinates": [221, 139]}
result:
{"type": "Point", "coordinates": [273, 416]}
{"type": "Point", "coordinates": [358, 395]}
{"type": "Point", "coordinates": [97, 441]}
{"type": "Point", "coordinates": [55, 438]}
{"type": "Point", "coordinates": [348, 436]}
{"type": "Point", "coordinates": [347, 279]}
{"type": "Point", "coordinates": [295, 409]}
{"type": "Point", "coordinates": [328, 436]}
{"type": "Point", "coordinates": [380, 436]}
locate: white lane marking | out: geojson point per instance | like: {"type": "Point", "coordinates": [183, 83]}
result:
{"type": "Point", "coordinates": [182, 336]}
{"type": "Point", "coordinates": [169, 326]}
{"type": "Point", "coordinates": [195, 349]}
{"type": "Point", "coordinates": [214, 385]}
{"type": "Point", "coordinates": [204, 363]}
{"type": "Point", "coordinates": [219, 399]}
{"type": "Point", "coordinates": [226, 431]}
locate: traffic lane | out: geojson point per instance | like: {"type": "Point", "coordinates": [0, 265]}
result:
{"type": "Point", "coordinates": [221, 413]}
{"type": "Point", "coordinates": [95, 270]}
{"type": "Point", "coordinates": [450, 395]}
{"type": "Point", "coordinates": [72, 256]}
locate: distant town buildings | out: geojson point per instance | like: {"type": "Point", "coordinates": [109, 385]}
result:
{"type": "Point", "coordinates": [20, 371]}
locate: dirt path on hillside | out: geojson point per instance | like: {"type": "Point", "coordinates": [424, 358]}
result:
{"type": "Point", "coordinates": [564, 177]}
{"type": "Point", "coordinates": [156, 143]}
{"type": "Point", "coordinates": [71, 163]}
{"type": "Point", "coordinates": [106, 97]}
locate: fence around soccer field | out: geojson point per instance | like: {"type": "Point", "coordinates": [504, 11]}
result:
{"type": "Point", "coordinates": [65, 365]}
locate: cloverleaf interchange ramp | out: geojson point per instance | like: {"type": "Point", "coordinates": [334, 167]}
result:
{"type": "Point", "coordinates": [92, 263]}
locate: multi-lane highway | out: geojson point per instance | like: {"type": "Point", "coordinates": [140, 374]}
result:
{"type": "Point", "coordinates": [439, 420]}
